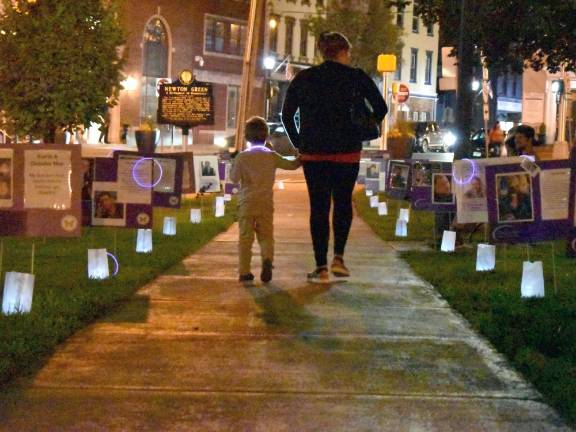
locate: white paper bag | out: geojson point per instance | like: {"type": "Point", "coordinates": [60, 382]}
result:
{"type": "Point", "coordinates": [98, 264]}
{"type": "Point", "coordinates": [532, 279]}
{"type": "Point", "coordinates": [144, 241]}
{"type": "Point", "coordinates": [401, 228]}
{"type": "Point", "coordinates": [196, 216]}
{"type": "Point", "coordinates": [227, 197]}
{"type": "Point", "coordinates": [374, 200]}
{"type": "Point", "coordinates": [281, 185]}
{"type": "Point", "coordinates": [486, 257]}
{"type": "Point", "coordinates": [382, 209]}
{"type": "Point", "coordinates": [169, 226]}
{"type": "Point", "coordinates": [18, 292]}
{"type": "Point", "coordinates": [404, 214]}
{"type": "Point", "coordinates": [219, 211]}
{"type": "Point", "coordinates": [448, 241]}
{"type": "Point", "coordinates": [369, 192]}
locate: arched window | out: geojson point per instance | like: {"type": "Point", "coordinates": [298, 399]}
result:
{"type": "Point", "coordinates": [155, 63]}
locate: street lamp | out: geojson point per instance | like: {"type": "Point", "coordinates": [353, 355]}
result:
{"type": "Point", "coordinates": [475, 85]}
{"type": "Point", "coordinates": [386, 63]}
{"type": "Point", "coordinates": [269, 64]}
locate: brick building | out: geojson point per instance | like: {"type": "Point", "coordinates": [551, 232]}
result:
{"type": "Point", "coordinates": [166, 36]}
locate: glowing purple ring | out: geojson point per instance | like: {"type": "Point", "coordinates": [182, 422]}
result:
{"type": "Point", "coordinates": [135, 177]}
{"type": "Point", "coordinates": [462, 181]}
{"type": "Point", "coordinates": [116, 264]}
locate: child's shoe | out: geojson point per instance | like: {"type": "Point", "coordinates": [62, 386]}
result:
{"type": "Point", "coordinates": [320, 275]}
{"type": "Point", "coordinates": [249, 277]}
{"type": "Point", "coordinates": [266, 274]}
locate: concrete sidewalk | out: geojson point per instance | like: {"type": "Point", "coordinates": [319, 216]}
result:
{"type": "Point", "coordinates": [197, 351]}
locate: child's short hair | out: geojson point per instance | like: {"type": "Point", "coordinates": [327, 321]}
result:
{"type": "Point", "coordinates": [256, 130]}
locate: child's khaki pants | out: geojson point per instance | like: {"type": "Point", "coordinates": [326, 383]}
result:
{"type": "Point", "coordinates": [261, 223]}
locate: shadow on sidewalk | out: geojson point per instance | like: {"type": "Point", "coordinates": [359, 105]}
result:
{"type": "Point", "coordinates": [286, 311]}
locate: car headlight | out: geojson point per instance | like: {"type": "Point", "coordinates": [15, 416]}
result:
{"type": "Point", "coordinates": [449, 139]}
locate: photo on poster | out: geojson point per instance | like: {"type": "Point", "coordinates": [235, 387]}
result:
{"type": "Point", "coordinates": [106, 205]}
{"type": "Point", "coordinates": [399, 175]}
{"type": "Point", "coordinates": [372, 170]}
{"type": "Point", "coordinates": [6, 179]}
{"type": "Point", "coordinates": [421, 174]}
{"type": "Point", "coordinates": [206, 174]}
{"type": "Point", "coordinates": [475, 188]}
{"type": "Point", "coordinates": [442, 191]}
{"type": "Point", "coordinates": [164, 175]}
{"type": "Point", "coordinates": [514, 197]}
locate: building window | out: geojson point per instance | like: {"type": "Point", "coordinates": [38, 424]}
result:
{"type": "Point", "coordinates": [155, 64]}
{"type": "Point", "coordinates": [428, 75]}
{"type": "Point", "coordinates": [274, 33]}
{"type": "Point", "coordinates": [224, 36]}
{"type": "Point", "coordinates": [289, 42]}
{"type": "Point", "coordinates": [398, 73]}
{"type": "Point", "coordinates": [233, 99]}
{"type": "Point", "coordinates": [400, 16]}
{"type": "Point", "coordinates": [430, 29]}
{"type": "Point", "coordinates": [415, 24]}
{"type": "Point", "coordinates": [303, 38]}
{"type": "Point", "coordinates": [413, 64]}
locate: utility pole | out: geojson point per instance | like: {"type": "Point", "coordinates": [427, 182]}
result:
{"type": "Point", "coordinates": [249, 68]}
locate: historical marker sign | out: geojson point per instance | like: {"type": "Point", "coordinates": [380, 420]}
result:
{"type": "Point", "coordinates": [186, 103]}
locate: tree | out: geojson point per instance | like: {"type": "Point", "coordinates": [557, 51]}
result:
{"type": "Point", "coordinates": [508, 34]}
{"type": "Point", "coordinates": [366, 23]}
{"type": "Point", "coordinates": [61, 63]}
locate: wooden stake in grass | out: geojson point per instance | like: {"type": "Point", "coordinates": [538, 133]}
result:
{"type": "Point", "coordinates": [32, 257]}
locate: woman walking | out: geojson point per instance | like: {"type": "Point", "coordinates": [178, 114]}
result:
{"type": "Point", "coordinates": [329, 143]}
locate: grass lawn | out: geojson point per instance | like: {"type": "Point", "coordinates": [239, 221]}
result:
{"type": "Point", "coordinates": [537, 335]}
{"type": "Point", "coordinates": [65, 300]}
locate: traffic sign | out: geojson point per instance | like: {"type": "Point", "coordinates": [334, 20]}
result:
{"type": "Point", "coordinates": [401, 93]}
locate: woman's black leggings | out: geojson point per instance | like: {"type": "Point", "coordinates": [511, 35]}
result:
{"type": "Point", "coordinates": [327, 182]}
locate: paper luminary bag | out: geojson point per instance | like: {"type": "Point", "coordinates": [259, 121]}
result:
{"type": "Point", "coordinates": [281, 185]}
{"type": "Point", "coordinates": [382, 209]}
{"type": "Point", "coordinates": [486, 257]}
{"type": "Point", "coordinates": [532, 279]}
{"type": "Point", "coordinates": [401, 228]}
{"type": "Point", "coordinates": [227, 197]}
{"type": "Point", "coordinates": [169, 227]}
{"type": "Point", "coordinates": [404, 215]}
{"type": "Point", "coordinates": [98, 264]}
{"type": "Point", "coordinates": [448, 241]}
{"type": "Point", "coordinates": [369, 192]}
{"type": "Point", "coordinates": [18, 292]}
{"type": "Point", "coordinates": [144, 241]}
{"type": "Point", "coordinates": [374, 200]}
{"type": "Point", "coordinates": [195, 216]}
{"type": "Point", "coordinates": [220, 208]}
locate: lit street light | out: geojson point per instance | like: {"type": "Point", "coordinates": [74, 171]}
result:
{"type": "Point", "coordinates": [269, 64]}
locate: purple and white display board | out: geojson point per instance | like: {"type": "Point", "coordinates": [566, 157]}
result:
{"type": "Point", "coordinates": [122, 191]}
{"type": "Point", "coordinates": [224, 167]}
{"type": "Point", "coordinates": [432, 186]}
{"type": "Point", "coordinates": [40, 190]}
{"type": "Point", "coordinates": [372, 173]}
{"type": "Point", "coordinates": [469, 181]}
{"type": "Point", "coordinates": [571, 247]}
{"type": "Point", "coordinates": [398, 179]}
{"type": "Point", "coordinates": [527, 205]}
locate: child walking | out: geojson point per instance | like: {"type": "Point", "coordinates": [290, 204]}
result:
{"type": "Point", "coordinates": [255, 170]}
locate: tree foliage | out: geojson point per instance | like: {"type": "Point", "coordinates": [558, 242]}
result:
{"type": "Point", "coordinates": [366, 23]}
{"type": "Point", "coordinates": [61, 63]}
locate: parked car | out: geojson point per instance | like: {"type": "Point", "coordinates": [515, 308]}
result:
{"type": "Point", "coordinates": [429, 137]}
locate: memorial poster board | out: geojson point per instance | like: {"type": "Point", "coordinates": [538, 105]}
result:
{"type": "Point", "coordinates": [469, 181]}
{"type": "Point", "coordinates": [527, 208]}
{"type": "Point", "coordinates": [40, 190]}
{"type": "Point", "coordinates": [206, 173]}
{"type": "Point", "coordinates": [121, 192]}
{"type": "Point", "coordinates": [186, 105]}
{"type": "Point", "coordinates": [166, 180]}
{"type": "Point", "coordinates": [224, 169]}
{"type": "Point", "coordinates": [432, 186]}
